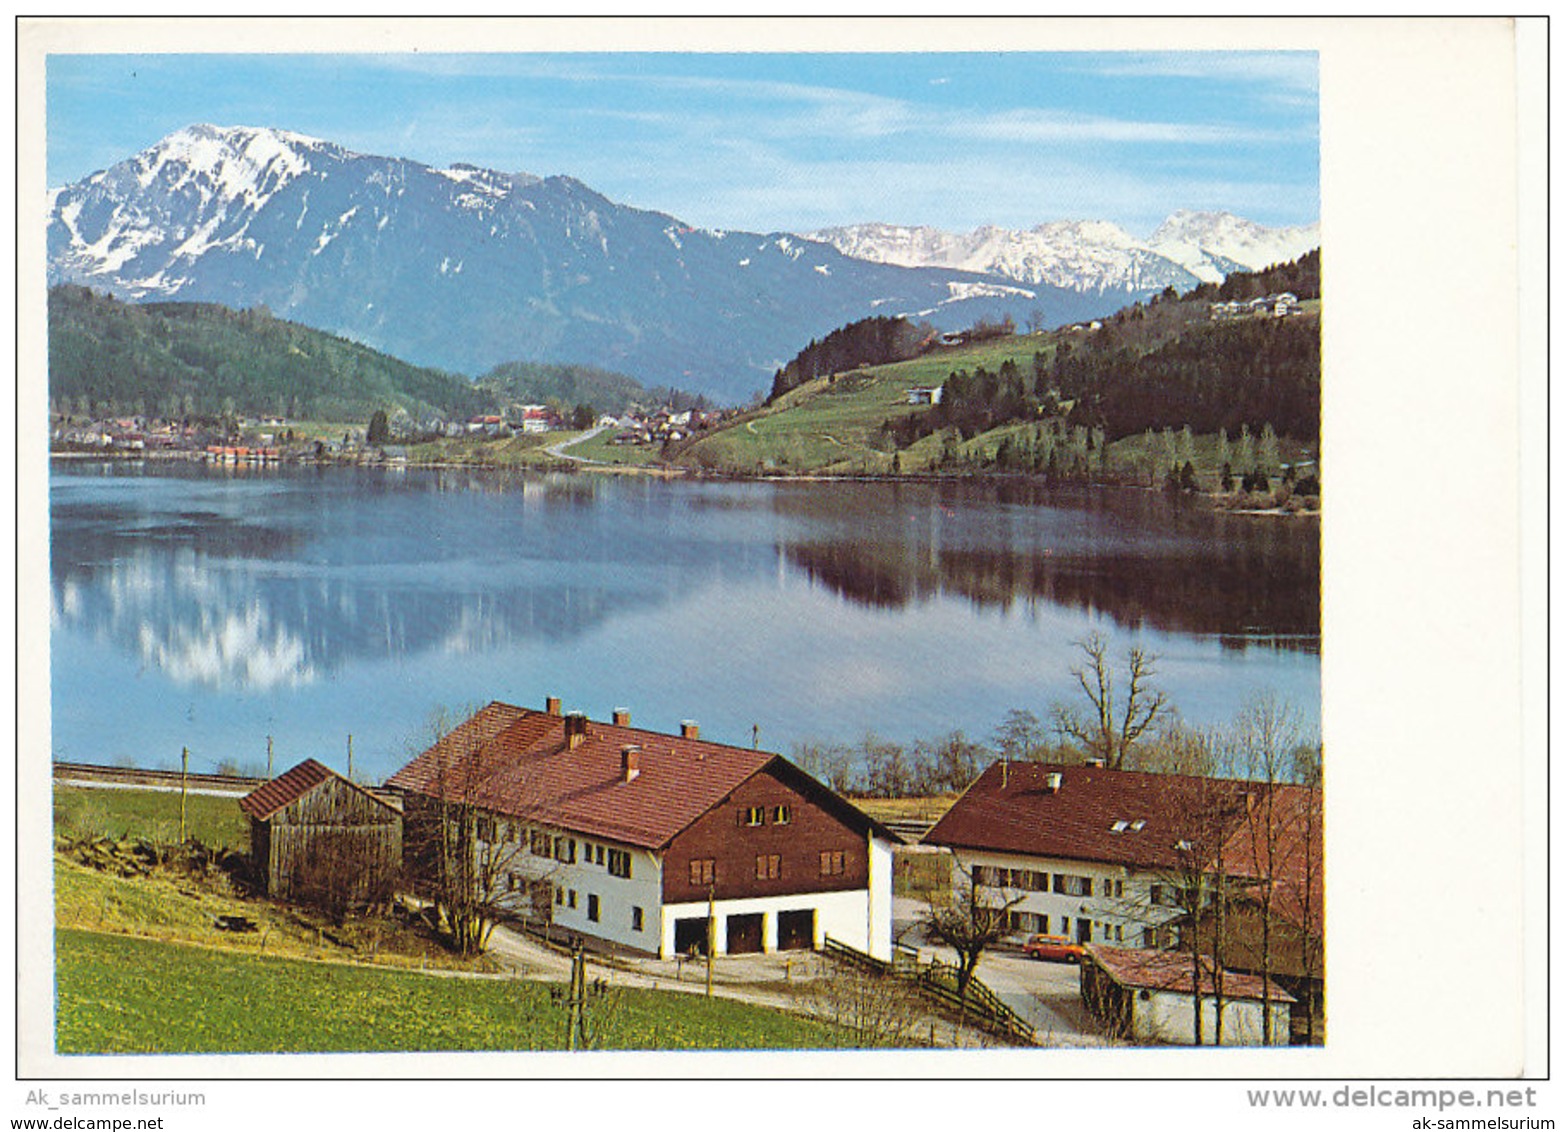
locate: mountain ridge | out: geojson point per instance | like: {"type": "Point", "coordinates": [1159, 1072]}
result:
{"type": "Point", "coordinates": [464, 268]}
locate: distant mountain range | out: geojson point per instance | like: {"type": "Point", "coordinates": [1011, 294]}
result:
{"type": "Point", "coordinates": [1087, 255]}
{"type": "Point", "coordinates": [467, 268]}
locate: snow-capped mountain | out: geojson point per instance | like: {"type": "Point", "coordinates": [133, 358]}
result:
{"type": "Point", "coordinates": [465, 268]}
{"type": "Point", "coordinates": [1211, 244]}
{"type": "Point", "coordinates": [1087, 256]}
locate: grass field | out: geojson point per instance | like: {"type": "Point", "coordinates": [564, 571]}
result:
{"type": "Point", "coordinates": [123, 995]}
{"type": "Point", "coordinates": [602, 449]}
{"type": "Point", "coordinates": [151, 814]}
{"type": "Point", "coordinates": [526, 451]}
{"type": "Point", "coordinates": [831, 425]}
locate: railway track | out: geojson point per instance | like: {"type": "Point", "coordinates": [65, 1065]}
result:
{"type": "Point", "coordinates": [91, 774]}
{"type": "Point", "coordinates": [137, 778]}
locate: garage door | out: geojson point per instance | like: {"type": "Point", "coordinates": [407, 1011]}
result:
{"type": "Point", "coordinates": [796, 930]}
{"type": "Point", "coordinates": [690, 936]}
{"type": "Point", "coordinates": [744, 934]}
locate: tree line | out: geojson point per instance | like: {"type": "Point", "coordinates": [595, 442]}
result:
{"type": "Point", "coordinates": [868, 342]}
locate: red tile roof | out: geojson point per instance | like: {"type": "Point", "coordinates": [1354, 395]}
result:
{"type": "Point", "coordinates": [288, 787]}
{"type": "Point", "coordinates": [1170, 971]}
{"type": "Point", "coordinates": [1011, 809]}
{"type": "Point", "coordinates": [513, 761]}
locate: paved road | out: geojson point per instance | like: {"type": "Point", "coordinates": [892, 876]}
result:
{"type": "Point", "coordinates": [558, 450]}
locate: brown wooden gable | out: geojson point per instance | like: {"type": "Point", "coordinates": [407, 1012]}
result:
{"type": "Point", "coordinates": [773, 858]}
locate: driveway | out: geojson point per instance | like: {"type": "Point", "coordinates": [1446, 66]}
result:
{"type": "Point", "coordinates": [1048, 995]}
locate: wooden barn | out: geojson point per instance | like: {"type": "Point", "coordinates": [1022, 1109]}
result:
{"type": "Point", "coordinates": [317, 838]}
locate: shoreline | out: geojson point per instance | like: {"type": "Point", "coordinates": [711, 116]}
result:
{"type": "Point", "coordinates": [1211, 502]}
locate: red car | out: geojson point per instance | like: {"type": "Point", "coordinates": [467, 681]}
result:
{"type": "Point", "coordinates": [1056, 948]}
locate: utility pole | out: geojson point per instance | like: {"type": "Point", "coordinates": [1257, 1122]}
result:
{"type": "Point", "coordinates": [577, 1036]}
{"type": "Point", "coordinates": [350, 756]}
{"type": "Point", "coordinates": [268, 756]}
{"type": "Point", "coordinates": [755, 736]}
{"type": "Point", "coordinates": [184, 773]}
{"type": "Point", "coordinates": [711, 934]}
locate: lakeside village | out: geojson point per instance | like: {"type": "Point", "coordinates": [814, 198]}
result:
{"type": "Point", "coordinates": [242, 440]}
{"type": "Point", "coordinates": [1108, 906]}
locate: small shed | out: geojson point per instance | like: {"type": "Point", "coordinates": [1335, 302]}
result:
{"type": "Point", "coordinates": [1146, 996]}
{"type": "Point", "coordinates": [317, 837]}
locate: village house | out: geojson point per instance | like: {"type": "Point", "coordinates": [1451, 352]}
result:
{"type": "Point", "coordinates": [1131, 860]}
{"type": "Point", "coordinates": [1102, 856]}
{"type": "Point", "coordinates": [929, 395]}
{"type": "Point", "coordinates": [656, 842]}
{"type": "Point", "coordinates": [1280, 305]}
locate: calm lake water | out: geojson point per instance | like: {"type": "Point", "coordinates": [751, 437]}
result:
{"type": "Point", "coordinates": [211, 608]}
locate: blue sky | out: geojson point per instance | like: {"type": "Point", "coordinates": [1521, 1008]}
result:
{"type": "Point", "coordinates": [764, 142]}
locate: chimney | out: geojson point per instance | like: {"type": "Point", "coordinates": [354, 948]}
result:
{"type": "Point", "coordinates": [552, 705]}
{"type": "Point", "coordinates": [621, 717]}
{"type": "Point", "coordinates": [575, 729]}
{"type": "Point", "coordinates": [1053, 782]}
{"type": "Point", "coordinates": [689, 729]}
{"type": "Point", "coordinates": [629, 762]}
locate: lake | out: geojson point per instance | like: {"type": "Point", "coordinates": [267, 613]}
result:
{"type": "Point", "coordinates": [212, 608]}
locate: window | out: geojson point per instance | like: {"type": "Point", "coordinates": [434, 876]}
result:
{"type": "Point", "coordinates": [1059, 883]}
{"type": "Point", "coordinates": [619, 863]}
{"type": "Point", "coordinates": [1119, 933]}
{"type": "Point", "coordinates": [831, 862]}
{"type": "Point", "coordinates": [600, 854]}
{"type": "Point", "coordinates": [781, 815]}
{"type": "Point", "coordinates": [510, 882]}
{"type": "Point", "coordinates": [539, 843]}
{"type": "Point", "coordinates": [559, 896]}
{"type": "Point", "coordinates": [703, 871]}
{"type": "Point", "coordinates": [484, 827]}
{"type": "Point", "coordinates": [565, 850]}
{"type": "Point", "coordinates": [635, 919]}
{"type": "Point", "coordinates": [752, 815]}
{"type": "Point", "coordinates": [592, 907]}
{"type": "Point", "coordinates": [768, 867]}
{"type": "Point", "coordinates": [570, 898]}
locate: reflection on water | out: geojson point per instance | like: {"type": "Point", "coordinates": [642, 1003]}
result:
{"type": "Point", "coordinates": [308, 592]}
{"type": "Point", "coordinates": [1140, 558]}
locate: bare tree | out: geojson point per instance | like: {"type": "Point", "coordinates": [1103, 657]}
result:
{"type": "Point", "coordinates": [1312, 957]}
{"type": "Point", "coordinates": [1265, 736]}
{"type": "Point", "coordinates": [969, 918]}
{"type": "Point", "coordinates": [869, 1009]}
{"type": "Point", "coordinates": [463, 855]}
{"type": "Point", "coordinates": [1114, 721]}
{"type": "Point", "coordinates": [342, 870]}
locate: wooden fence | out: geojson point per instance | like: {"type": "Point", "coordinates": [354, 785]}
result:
{"type": "Point", "coordinates": [937, 981]}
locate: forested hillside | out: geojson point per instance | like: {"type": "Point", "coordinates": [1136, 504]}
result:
{"type": "Point", "coordinates": [179, 359]}
{"type": "Point", "coordinates": [868, 342]}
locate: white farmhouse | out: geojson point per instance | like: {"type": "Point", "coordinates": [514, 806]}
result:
{"type": "Point", "coordinates": [665, 844]}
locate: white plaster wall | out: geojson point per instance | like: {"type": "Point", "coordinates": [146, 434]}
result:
{"type": "Point", "coordinates": [1131, 912]}
{"type": "Point", "coordinates": [845, 916]}
{"type": "Point", "coordinates": [616, 895]}
{"type": "Point", "coordinates": [1169, 1017]}
{"type": "Point", "coordinates": [880, 876]}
